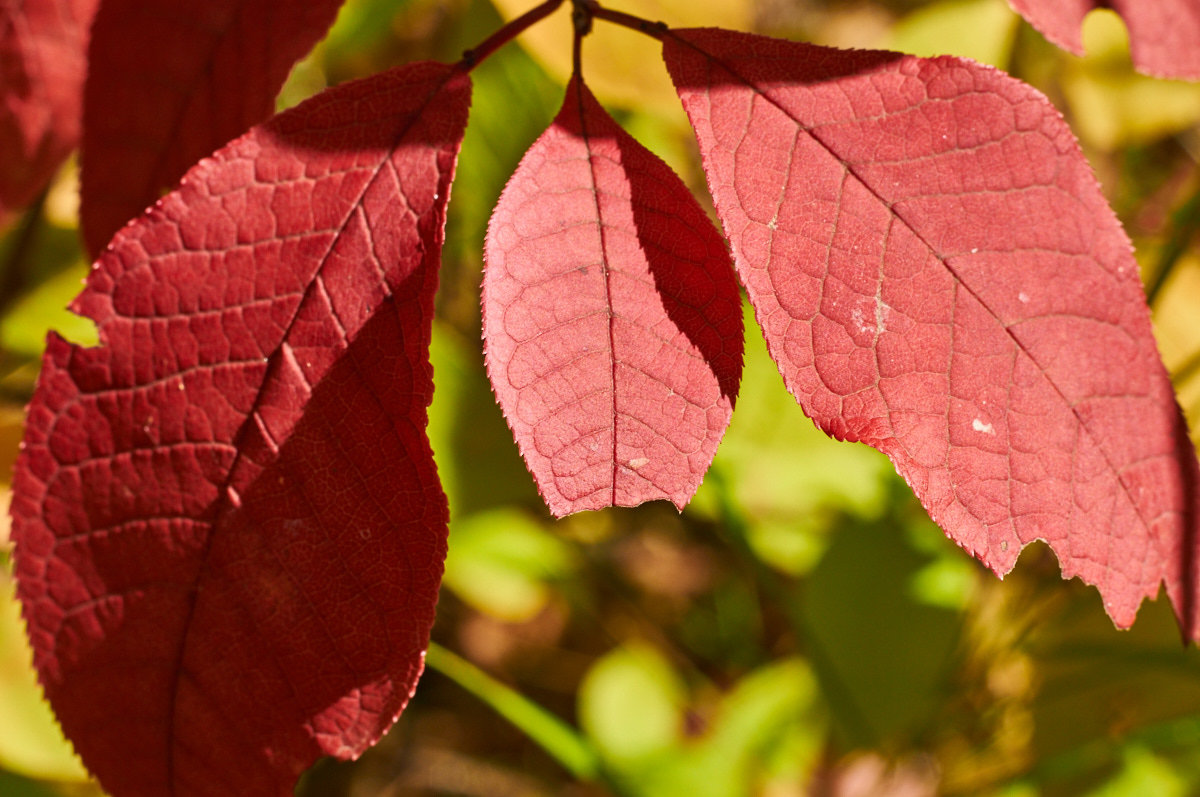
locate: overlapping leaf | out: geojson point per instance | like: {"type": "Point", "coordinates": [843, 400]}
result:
{"type": "Point", "coordinates": [42, 66]}
{"type": "Point", "coordinates": [1163, 34]}
{"type": "Point", "coordinates": [229, 529]}
{"type": "Point", "coordinates": [937, 274]}
{"type": "Point", "coordinates": [172, 80]}
{"type": "Point", "coordinates": [611, 316]}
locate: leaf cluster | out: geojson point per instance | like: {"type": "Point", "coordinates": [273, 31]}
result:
{"type": "Point", "coordinates": [229, 506]}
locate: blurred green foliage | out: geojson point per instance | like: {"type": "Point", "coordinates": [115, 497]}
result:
{"type": "Point", "coordinates": [802, 627]}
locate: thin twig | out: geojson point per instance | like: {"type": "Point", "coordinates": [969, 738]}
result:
{"type": "Point", "coordinates": [473, 57]}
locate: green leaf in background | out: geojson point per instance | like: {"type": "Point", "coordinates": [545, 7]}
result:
{"type": "Point", "coordinates": [982, 30]}
{"type": "Point", "coordinates": [948, 579]}
{"type": "Point", "coordinates": [31, 743]}
{"type": "Point", "coordinates": [502, 562]}
{"type": "Point", "coordinates": [23, 328]}
{"type": "Point", "coordinates": [1143, 772]}
{"type": "Point", "coordinates": [16, 786]}
{"type": "Point", "coordinates": [512, 102]}
{"type": "Point", "coordinates": [1111, 105]}
{"type": "Point", "coordinates": [791, 481]}
{"type": "Point", "coordinates": [631, 705]}
{"type": "Point", "coordinates": [1102, 694]}
{"type": "Point", "coordinates": [477, 459]}
{"type": "Point", "coordinates": [357, 44]}
{"type": "Point", "coordinates": [769, 728]}
{"type": "Point", "coordinates": [882, 653]}
{"type": "Point", "coordinates": [1179, 334]}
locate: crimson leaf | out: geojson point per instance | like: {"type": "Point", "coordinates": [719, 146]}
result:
{"type": "Point", "coordinates": [169, 82]}
{"type": "Point", "coordinates": [937, 274]}
{"type": "Point", "coordinates": [1163, 34]}
{"type": "Point", "coordinates": [42, 45]}
{"type": "Point", "coordinates": [611, 316]}
{"type": "Point", "coordinates": [229, 529]}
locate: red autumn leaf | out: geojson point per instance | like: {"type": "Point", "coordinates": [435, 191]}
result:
{"type": "Point", "coordinates": [42, 45]}
{"type": "Point", "coordinates": [937, 275]}
{"type": "Point", "coordinates": [229, 529]}
{"type": "Point", "coordinates": [172, 80]}
{"type": "Point", "coordinates": [1163, 34]}
{"type": "Point", "coordinates": [611, 316]}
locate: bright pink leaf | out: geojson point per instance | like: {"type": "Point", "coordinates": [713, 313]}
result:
{"type": "Point", "coordinates": [937, 274]}
{"type": "Point", "coordinates": [611, 316]}
{"type": "Point", "coordinates": [42, 45]}
{"type": "Point", "coordinates": [1163, 34]}
{"type": "Point", "coordinates": [229, 529]}
{"type": "Point", "coordinates": [172, 80]}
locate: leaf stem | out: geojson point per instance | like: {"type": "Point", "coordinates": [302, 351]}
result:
{"type": "Point", "coordinates": [558, 739]}
{"type": "Point", "coordinates": [584, 12]}
{"type": "Point", "coordinates": [654, 29]}
{"type": "Point", "coordinates": [473, 57]}
{"type": "Point", "coordinates": [581, 19]}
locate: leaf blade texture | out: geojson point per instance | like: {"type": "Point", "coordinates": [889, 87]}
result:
{"type": "Point", "coordinates": [199, 75]}
{"type": "Point", "coordinates": [1162, 33]}
{"type": "Point", "coordinates": [937, 275]}
{"type": "Point", "coordinates": [611, 318]}
{"type": "Point", "coordinates": [229, 528]}
{"type": "Point", "coordinates": [42, 67]}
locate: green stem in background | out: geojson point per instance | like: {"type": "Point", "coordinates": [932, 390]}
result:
{"type": "Point", "coordinates": [15, 269]}
{"type": "Point", "coordinates": [1185, 222]}
{"type": "Point", "coordinates": [14, 276]}
{"type": "Point", "coordinates": [1186, 371]}
{"type": "Point", "coordinates": [558, 739]}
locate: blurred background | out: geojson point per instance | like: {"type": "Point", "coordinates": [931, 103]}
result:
{"type": "Point", "coordinates": [802, 628]}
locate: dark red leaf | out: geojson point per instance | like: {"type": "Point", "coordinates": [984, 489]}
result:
{"type": "Point", "coordinates": [611, 317]}
{"type": "Point", "coordinates": [229, 529]}
{"type": "Point", "coordinates": [172, 80]}
{"type": "Point", "coordinates": [42, 44]}
{"type": "Point", "coordinates": [937, 274]}
{"type": "Point", "coordinates": [1163, 34]}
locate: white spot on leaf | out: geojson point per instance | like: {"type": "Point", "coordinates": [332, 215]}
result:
{"type": "Point", "coordinates": [856, 315]}
{"type": "Point", "coordinates": [881, 310]}
{"type": "Point", "coordinates": [980, 426]}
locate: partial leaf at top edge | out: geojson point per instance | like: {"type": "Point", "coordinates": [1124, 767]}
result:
{"type": "Point", "coordinates": [1163, 34]}
{"type": "Point", "coordinates": [611, 318]}
{"type": "Point", "coordinates": [938, 275]}
{"type": "Point", "coordinates": [229, 528]}
{"type": "Point", "coordinates": [172, 80]}
{"type": "Point", "coordinates": [42, 67]}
